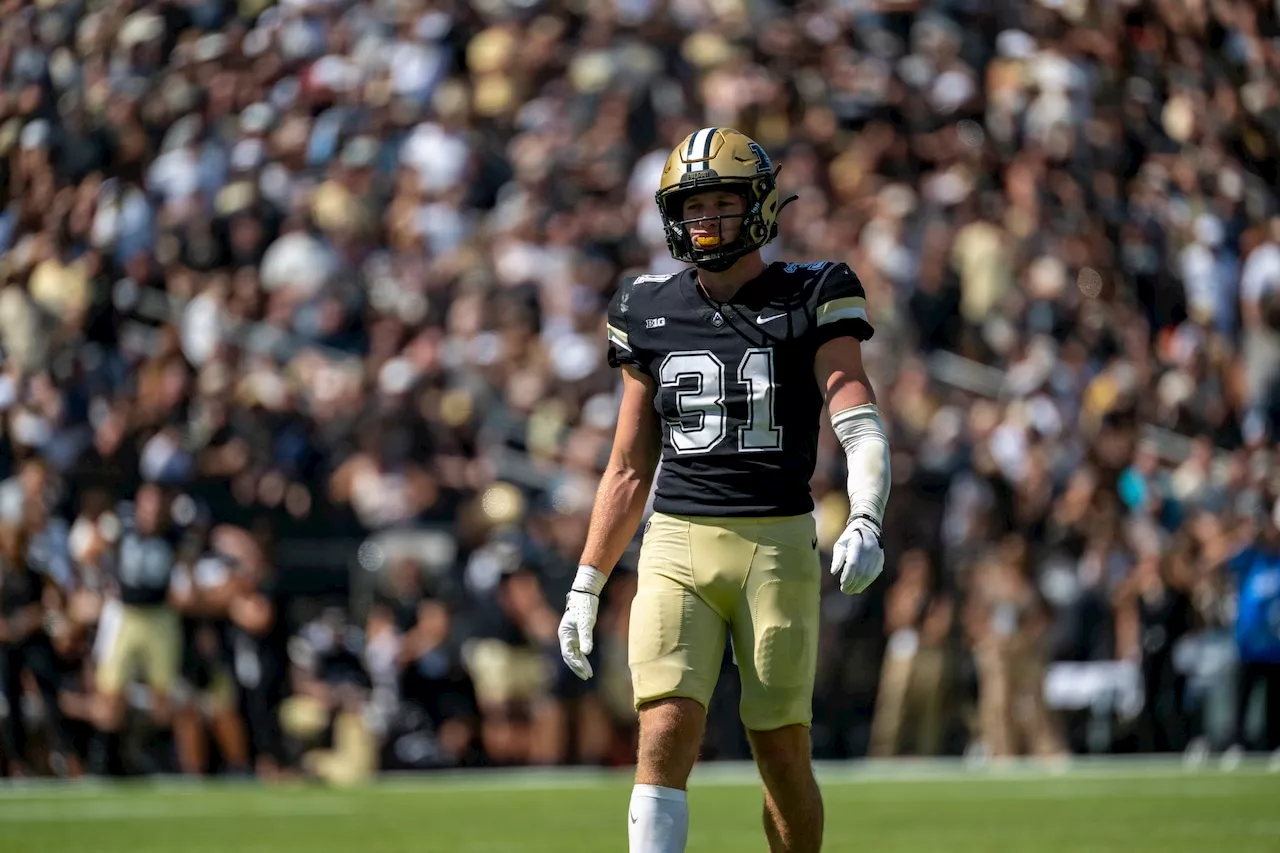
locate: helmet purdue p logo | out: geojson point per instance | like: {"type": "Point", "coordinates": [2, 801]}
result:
{"type": "Point", "coordinates": [763, 163]}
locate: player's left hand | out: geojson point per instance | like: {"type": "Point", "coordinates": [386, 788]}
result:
{"type": "Point", "coordinates": [578, 625]}
{"type": "Point", "coordinates": [858, 556]}
{"type": "Point", "coordinates": [577, 632]}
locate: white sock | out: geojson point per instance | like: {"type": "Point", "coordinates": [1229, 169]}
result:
{"type": "Point", "coordinates": [658, 820]}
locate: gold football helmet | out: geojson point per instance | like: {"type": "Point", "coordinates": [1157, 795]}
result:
{"type": "Point", "coordinates": [719, 158]}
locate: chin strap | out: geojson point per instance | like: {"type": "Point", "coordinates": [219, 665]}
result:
{"type": "Point", "coordinates": [718, 264]}
{"type": "Point", "coordinates": [724, 263]}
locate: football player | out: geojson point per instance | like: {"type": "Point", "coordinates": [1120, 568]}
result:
{"type": "Point", "coordinates": [726, 368]}
{"type": "Point", "coordinates": [139, 627]}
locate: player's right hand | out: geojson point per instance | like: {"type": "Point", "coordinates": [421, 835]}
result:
{"type": "Point", "coordinates": [578, 625]}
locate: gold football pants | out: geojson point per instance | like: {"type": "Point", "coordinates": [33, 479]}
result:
{"type": "Point", "coordinates": [756, 580]}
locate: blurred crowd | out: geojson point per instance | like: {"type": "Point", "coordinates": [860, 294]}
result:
{"type": "Point", "coordinates": [301, 310]}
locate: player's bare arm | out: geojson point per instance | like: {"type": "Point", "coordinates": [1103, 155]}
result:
{"type": "Point", "coordinates": [858, 557]}
{"type": "Point", "coordinates": [624, 487]}
{"type": "Point", "coordinates": [841, 376]}
{"type": "Point", "coordinates": [619, 504]}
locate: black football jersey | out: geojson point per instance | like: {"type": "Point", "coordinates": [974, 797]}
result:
{"type": "Point", "coordinates": [737, 394]}
{"type": "Point", "coordinates": [144, 563]}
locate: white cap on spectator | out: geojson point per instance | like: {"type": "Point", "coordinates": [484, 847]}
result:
{"type": "Point", "coordinates": [360, 153]}
{"type": "Point", "coordinates": [247, 154]}
{"type": "Point", "coordinates": [1054, 73]}
{"type": "Point", "coordinates": [30, 430]}
{"type": "Point", "coordinates": [575, 358]}
{"type": "Point", "coordinates": [1209, 230]}
{"type": "Point", "coordinates": [296, 260]}
{"type": "Point", "coordinates": [210, 47]}
{"type": "Point", "coordinates": [201, 329]}
{"type": "Point", "coordinates": [256, 42]}
{"type": "Point", "coordinates": [257, 118]}
{"type": "Point", "coordinates": [1044, 416]}
{"type": "Point", "coordinates": [1015, 44]}
{"type": "Point", "coordinates": [950, 187]}
{"type": "Point", "coordinates": [335, 73]}
{"type": "Point", "coordinates": [438, 157]}
{"type": "Point", "coordinates": [951, 90]}
{"type": "Point", "coordinates": [396, 377]}
{"type": "Point", "coordinates": [433, 26]}
{"type": "Point", "coordinates": [897, 200]}
{"type": "Point", "coordinates": [139, 28]}
{"type": "Point", "coordinates": [600, 412]}
{"type": "Point", "coordinates": [1047, 277]}
{"type": "Point", "coordinates": [35, 135]}
{"type": "Point", "coordinates": [181, 133]}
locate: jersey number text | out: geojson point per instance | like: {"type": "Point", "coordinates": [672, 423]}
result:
{"type": "Point", "coordinates": [704, 418]}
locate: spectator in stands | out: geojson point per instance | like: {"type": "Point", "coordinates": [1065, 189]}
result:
{"type": "Point", "coordinates": [1154, 605]}
{"type": "Point", "coordinates": [326, 715]}
{"type": "Point", "coordinates": [1256, 572]}
{"type": "Point", "coordinates": [26, 652]}
{"type": "Point", "coordinates": [914, 678]}
{"type": "Point", "coordinates": [432, 695]}
{"type": "Point", "coordinates": [206, 700]}
{"type": "Point", "coordinates": [1006, 622]}
{"type": "Point", "coordinates": [139, 630]}
{"type": "Point", "coordinates": [511, 667]}
{"type": "Point", "coordinates": [259, 637]}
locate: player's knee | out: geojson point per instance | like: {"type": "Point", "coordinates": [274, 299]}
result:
{"type": "Point", "coordinates": [783, 753]}
{"type": "Point", "coordinates": [161, 709]}
{"type": "Point", "coordinates": [672, 723]}
{"type": "Point", "coordinates": [108, 711]}
{"type": "Point", "coordinates": [670, 739]}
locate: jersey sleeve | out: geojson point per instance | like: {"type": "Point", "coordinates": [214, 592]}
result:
{"type": "Point", "coordinates": [616, 330]}
{"type": "Point", "coordinates": [841, 306]}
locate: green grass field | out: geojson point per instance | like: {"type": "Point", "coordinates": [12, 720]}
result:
{"type": "Point", "coordinates": [1095, 807]}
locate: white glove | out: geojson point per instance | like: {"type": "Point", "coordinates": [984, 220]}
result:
{"type": "Point", "coordinates": [578, 624]}
{"type": "Point", "coordinates": [858, 556]}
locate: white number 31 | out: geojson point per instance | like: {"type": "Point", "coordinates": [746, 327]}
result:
{"type": "Point", "coordinates": [704, 418]}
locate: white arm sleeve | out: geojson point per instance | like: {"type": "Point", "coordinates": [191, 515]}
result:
{"type": "Point", "coordinates": [866, 452]}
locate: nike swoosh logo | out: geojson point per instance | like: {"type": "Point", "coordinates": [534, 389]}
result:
{"type": "Point", "coordinates": [633, 817]}
{"type": "Point", "coordinates": [761, 320]}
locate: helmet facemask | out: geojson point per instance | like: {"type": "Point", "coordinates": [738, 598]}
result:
{"type": "Point", "coordinates": [722, 254]}
{"type": "Point", "coordinates": [752, 234]}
